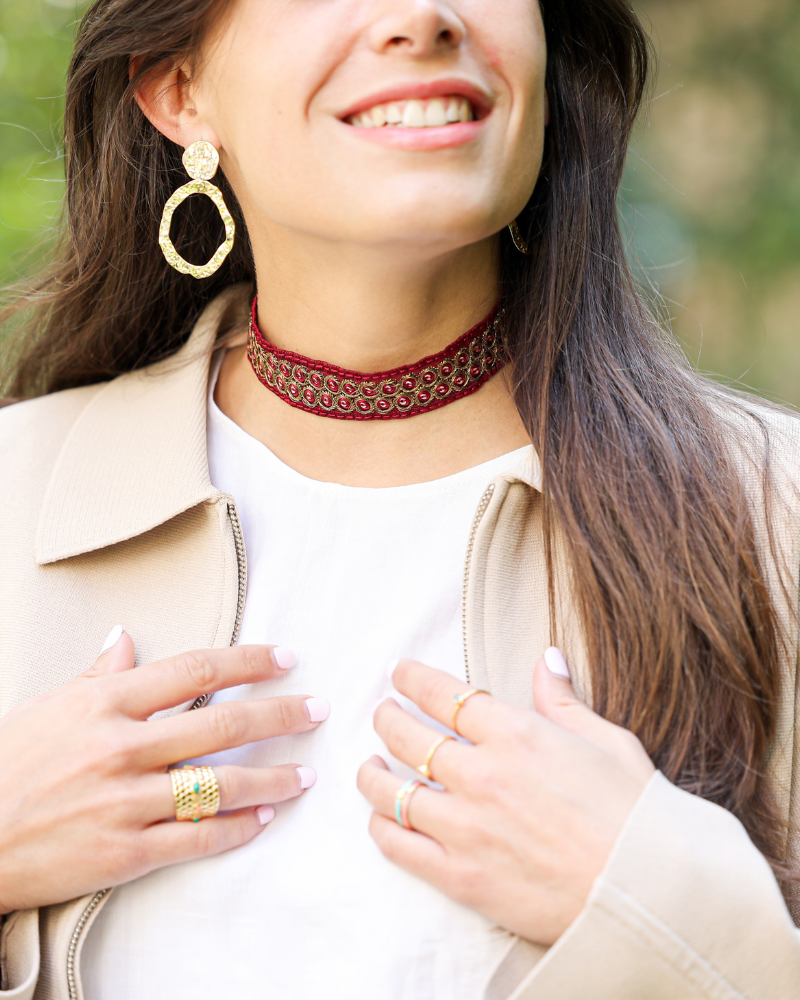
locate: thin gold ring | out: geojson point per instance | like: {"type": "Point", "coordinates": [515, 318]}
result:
{"type": "Point", "coordinates": [459, 700]}
{"type": "Point", "coordinates": [425, 769]}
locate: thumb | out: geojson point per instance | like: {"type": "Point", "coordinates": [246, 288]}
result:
{"type": "Point", "coordinates": [116, 655]}
{"type": "Point", "coordinates": [555, 699]}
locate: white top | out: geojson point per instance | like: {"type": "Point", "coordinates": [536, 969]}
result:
{"type": "Point", "coordinates": [350, 579]}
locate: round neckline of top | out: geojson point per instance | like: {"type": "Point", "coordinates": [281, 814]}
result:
{"type": "Point", "coordinates": [508, 462]}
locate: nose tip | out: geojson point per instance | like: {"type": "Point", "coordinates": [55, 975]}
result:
{"type": "Point", "coordinates": [423, 27]}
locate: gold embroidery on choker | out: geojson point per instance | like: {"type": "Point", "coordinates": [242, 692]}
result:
{"type": "Point", "coordinates": [329, 391]}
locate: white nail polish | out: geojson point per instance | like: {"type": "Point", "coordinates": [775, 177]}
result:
{"type": "Point", "coordinates": [391, 668]}
{"type": "Point", "coordinates": [284, 657]}
{"type": "Point", "coordinates": [307, 776]}
{"type": "Point", "coordinates": [112, 638]}
{"type": "Point", "coordinates": [265, 814]}
{"type": "Point", "coordinates": [318, 709]}
{"type": "Point", "coordinates": [556, 663]}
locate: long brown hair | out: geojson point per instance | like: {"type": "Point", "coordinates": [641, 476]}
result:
{"type": "Point", "coordinates": [681, 630]}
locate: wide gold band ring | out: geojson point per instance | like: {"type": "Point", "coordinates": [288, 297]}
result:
{"type": "Point", "coordinates": [196, 792]}
{"type": "Point", "coordinates": [459, 701]}
{"type": "Point", "coordinates": [425, 769]}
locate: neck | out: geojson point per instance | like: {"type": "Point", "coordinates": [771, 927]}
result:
{"type": "Point", "coordinates": [370, 309]}
{"type": "Point", "coordinates": [367, 309]}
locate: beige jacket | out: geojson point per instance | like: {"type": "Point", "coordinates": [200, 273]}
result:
{"type": "Point", "coordinates": [109, 515]}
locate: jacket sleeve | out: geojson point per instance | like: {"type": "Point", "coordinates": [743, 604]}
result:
{"type": "Point", "coordinates": [686, 907]}
{"type": "Point", "coordinates": [19, 955]}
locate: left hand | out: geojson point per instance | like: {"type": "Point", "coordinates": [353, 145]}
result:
{"type": "Point", "coordinates": [530, 811]}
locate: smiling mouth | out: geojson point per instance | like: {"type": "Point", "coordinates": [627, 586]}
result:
{"type": "Point", "coordinates": [433, 113]}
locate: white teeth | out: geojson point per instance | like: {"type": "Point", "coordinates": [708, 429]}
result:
{"type": "Point", "coordinates": [414, 115]}
{"type": "Point", "coordinates": [435, 113]}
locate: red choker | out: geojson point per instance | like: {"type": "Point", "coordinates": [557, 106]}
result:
{"type": "Point", "coordinates": [329, 391]}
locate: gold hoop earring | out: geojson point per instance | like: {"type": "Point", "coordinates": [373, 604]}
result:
{"type": "Point", "coordinates": [201, 161]}
{"type": "Point", "coordinates": [516, 236]}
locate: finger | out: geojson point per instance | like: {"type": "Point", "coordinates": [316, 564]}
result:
{"type": "Point", "coordinates": [555, 699]}
{"type": "Point", "coordinates": [116, 656]}
{"type": "Point", "coordinates": [183, 678]}
{"type": "Point", "coordinates": [239, 787]}
{"type": "Point", "coordinates": [409, 740]}
{"type": "Point", "coordinates": [414, 852]}
{"type": "Point", "coordinates": [428, 811]}
{"type": "Point", "coordinates": [170, 843]}
{"type": "Point", "coordinates": [434, 692]}
{"type": "Point", "coordinates": [227, 725]}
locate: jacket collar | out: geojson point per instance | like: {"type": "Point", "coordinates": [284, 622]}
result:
{"type": "Point", "coordinates": [136, 456]}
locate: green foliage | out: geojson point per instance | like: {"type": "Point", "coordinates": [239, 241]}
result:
{"type": "Point", "coordinates": [35, 44]}
{"type": "Point", "coordinates": [712, 190]}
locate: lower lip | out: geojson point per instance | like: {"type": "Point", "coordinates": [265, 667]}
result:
{"type": "Point", "coordinates": [420, 139]}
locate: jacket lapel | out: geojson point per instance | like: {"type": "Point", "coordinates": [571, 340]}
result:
{"type": "Point", "coordinates": [136, 456]}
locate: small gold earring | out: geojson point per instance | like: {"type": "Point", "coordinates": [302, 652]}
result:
{"type": "Point", "coordinates": [516, 236]}
{"type": "Point", "coordinates": [201, 161]}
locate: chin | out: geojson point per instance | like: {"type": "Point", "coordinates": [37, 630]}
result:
{"type": "Point", "coordinates": [423, 222]}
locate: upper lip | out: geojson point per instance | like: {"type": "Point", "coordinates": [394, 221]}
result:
{"type": "Point", "coordinates": [418, 90]}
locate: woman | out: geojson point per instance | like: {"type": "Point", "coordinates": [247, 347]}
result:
{"type": "Point", "coordinates": [447, 393]}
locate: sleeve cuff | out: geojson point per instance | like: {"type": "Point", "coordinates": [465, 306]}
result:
{"type": "Point", "coordinates": [686, 906]}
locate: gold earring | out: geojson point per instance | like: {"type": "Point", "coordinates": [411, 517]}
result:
{"type": "Point", "coordinates": [201, 161]}
{"type": "Point", "coordinates": [516, 236]}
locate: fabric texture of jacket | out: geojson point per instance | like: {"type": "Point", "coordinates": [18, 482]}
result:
{"type": "Point", "coordinates": [109, 515]}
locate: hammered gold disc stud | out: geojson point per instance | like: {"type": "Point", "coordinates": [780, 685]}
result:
{"type": "Point", "coordinates": [201, 160]}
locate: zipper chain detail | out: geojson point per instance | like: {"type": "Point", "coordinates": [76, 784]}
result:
{"type": "Point", "coordinates": [241, 562]}
{"type": "Point", "coordinates": [482, 507]}
{"type": "Point", "coordinates": [76, 936]}
{"type": "Point", "coordinates": [201, 702]}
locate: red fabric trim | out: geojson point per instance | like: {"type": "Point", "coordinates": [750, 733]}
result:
{"type": "Point", "coordinates": [330, 391]}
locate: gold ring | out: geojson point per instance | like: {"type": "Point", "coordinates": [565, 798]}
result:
{"type": "Point", "coordinates": [196, 792]}
{"type": "Point", "coordinates": [425, 769]}
{"type": "Point", "coordinates": [459, 700]}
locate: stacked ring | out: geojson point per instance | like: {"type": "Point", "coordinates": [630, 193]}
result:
{"type": "Point", "coordinates": [196, 792]}
{"type": "Point", "coordinates": [459, 700]}
{"type": "Point", "coordinates": [402, 800]}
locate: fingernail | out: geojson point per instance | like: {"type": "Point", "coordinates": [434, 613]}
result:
{"type": "Point", "coordinates": [112, 638]}
{"type": "Point", "coordinates": [307, 776]}
{"type": "Point", "coordinates": [318, 709]}
{"type": "Point", "coordinates": [265, 814]}
{"type": "Point", "coordinates": [391, 668]}
{"type": "Point", "coordinates": [556, 663]}
{"type": "Point", "coordinates": [284, 657]}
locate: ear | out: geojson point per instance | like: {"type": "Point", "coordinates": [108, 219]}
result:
{"type": "Point", "coordinates": [166, 95]}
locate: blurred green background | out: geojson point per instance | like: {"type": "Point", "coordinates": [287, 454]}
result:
{"type": "Point", "coordinates": [711, 197]}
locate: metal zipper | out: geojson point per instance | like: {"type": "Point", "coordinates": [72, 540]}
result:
{"type": "Point", "coordinates": [76, 936]}
{"type": "Point", "coordinates": [94, 902]}
{"type": "Point", "coordinates": [241, 562]}
{"type": "Point", "coordinates": [482, 507]}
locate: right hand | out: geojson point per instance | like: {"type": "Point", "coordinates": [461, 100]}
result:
{"type": "Point", "coordinates": [84, 789]}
